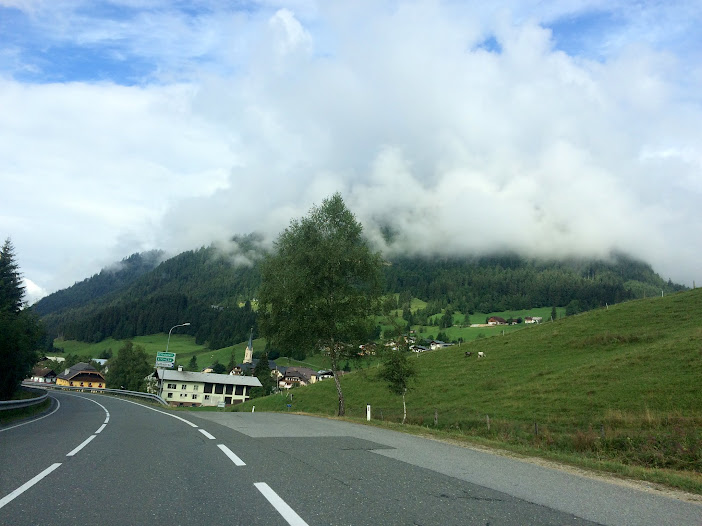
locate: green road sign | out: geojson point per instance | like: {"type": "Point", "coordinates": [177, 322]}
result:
{"type": "Point", "coordinates": [165, 356]}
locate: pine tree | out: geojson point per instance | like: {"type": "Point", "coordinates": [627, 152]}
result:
{"type": "Point", "coordinates": [11, 287]}
{"type": "Point", "coordinates": [20, 331]}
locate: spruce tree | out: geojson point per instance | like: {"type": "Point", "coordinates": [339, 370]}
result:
{"type": "Point", "coordinates": [20, 331]}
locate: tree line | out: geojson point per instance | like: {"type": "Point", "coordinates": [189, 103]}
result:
{"type": "Point", "coordinates": [213, 325]}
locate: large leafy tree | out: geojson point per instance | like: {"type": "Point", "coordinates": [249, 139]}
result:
{"type": "Point", "coordinates": [20, 331]}
{"type": "Point", "coordinates": [129, 369]}
{"type": "Point", "coordinates": [321, 287]}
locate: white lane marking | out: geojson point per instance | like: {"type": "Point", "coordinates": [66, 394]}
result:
{"type": "Point", "coordinates": [58, 405]}
{"type": "Point", "coordinates": [206, 434]}
{"type": "Point", "coordinates": [24, 487]}
{"type": "Point", "coordinates": [280, 505]}
{"type": "Point", "coordinates": [162, 412]}
{"type": "Point", "coordinates": [231, 455]}
{"type": "Point", "coordinates": [107, 419]}
{"type": "Point", "coordinates": [85, 443]}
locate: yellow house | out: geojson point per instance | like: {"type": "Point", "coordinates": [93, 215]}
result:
{"type": "Point", "coordinates": [81, 375]}
{"type": "Point", "coordinates": [184, 388]}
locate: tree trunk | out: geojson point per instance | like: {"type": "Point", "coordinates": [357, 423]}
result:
{"type": "Point", "coordinates": [335, 367]}
{"type": "Point", "coordinates": [404, 407]}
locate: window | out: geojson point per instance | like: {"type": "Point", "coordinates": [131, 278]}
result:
{"type": "Point", "coordinates": [239, 390]}
{"type": "Point", "coordinates": [171, 386]}
{"type": "Point", "coordinates": [170, 395]}
{"type": "Point", "coordinates": [81, 384]}
{"type": "Point", "coordinates": [183, 395]}
{"type": "Point", "coordinates": [230, 389]}
{"type": "Point", "coordinates": [207, 397]}
{"type": "Point", "coordinates": [208, 389]}
{"type": "Point", "coordinates": [196, 387]}
{"type": "Point", "coordinates": [184, 386]}
{"type": "Point", "coordinates": [219, 389]}
{"type": "Point", "coordinates": [90, 384]}
{"type": "Point", "coordinates": [194, 397]}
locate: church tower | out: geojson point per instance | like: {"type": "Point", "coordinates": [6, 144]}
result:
{"type": "Point", "coordinates": [248, 353]}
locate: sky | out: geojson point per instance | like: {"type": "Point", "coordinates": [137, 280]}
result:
{"type": "Point", "coordinates": [549, 128]}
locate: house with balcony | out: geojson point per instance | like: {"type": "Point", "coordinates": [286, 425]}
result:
{"type": "Point", "coordinates": [81, 375]}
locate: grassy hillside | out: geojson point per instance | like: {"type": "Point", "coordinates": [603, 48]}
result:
{"type": "Point", "coordinates": [618, 385]}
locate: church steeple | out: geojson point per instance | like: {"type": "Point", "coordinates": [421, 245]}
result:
{"type": "Point", "coordinates": [248, 353]}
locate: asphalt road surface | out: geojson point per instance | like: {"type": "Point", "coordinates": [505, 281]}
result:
{"type": "Point", "coordinates": [100, 460]}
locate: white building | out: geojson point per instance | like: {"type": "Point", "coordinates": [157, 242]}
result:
{"type": "Point", "coordinates": [184, 388]}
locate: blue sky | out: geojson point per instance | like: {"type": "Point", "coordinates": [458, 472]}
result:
{"type": "Point", "coordinates": [571, 127]}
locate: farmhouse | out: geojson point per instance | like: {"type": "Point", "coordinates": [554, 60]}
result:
{"type": "Point", "coordinates": [533, 319]}
{"type": "Point", "coordinates": [496, 320]}
{"type": "Point", "coordinates": [184, 388]}
{"type": "Point", "coordinates": [43, 375]}
{"type": "Point", "coordinates": [81, 375]}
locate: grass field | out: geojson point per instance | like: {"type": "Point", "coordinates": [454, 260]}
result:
{"type": "Point", "coordinates": [617, 389]}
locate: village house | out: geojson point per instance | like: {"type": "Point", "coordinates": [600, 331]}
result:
{"type": "Point", "coordinates": [496, 320]}
{"type": "Point", "coordinates": [43, 375]}
{"type": "Point", "coordinates": [185, 388]}
{"type": "Point", "coordinates": [296, 376]}
{"type": "Point", "coordinates": [81, 375]}
{"type": "Point", "coordinates": [533, 319]}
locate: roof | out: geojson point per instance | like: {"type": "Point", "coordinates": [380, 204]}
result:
{"type": "Point", "coordinates": [301, 372]}
{"type": "Point", "coordinates": [252, 365]}
{"type": "Point", "coordinates": [43, 372]}
{"type": "Point", "coordinates": [80, 367]}
{"type": "Point", "coordinates": [211, 378]}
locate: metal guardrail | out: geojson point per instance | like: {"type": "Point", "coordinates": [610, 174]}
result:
{"type": "Point", "coordinates": [118, 392]}
{"type": "Point", "coordinates": [18, 404]}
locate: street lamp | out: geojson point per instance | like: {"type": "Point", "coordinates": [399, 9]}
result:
{"type": "Point", "coordinates": [169, 332]}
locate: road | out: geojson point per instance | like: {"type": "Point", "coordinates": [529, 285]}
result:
{"type": "Point", "coordinates": [101, 460]}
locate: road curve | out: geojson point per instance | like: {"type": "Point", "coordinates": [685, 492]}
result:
{"type": "Point", "coordinates": [103, 460]}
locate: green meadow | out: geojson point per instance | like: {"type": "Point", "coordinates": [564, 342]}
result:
{"type": "Point", "coordinates": [616, 389]}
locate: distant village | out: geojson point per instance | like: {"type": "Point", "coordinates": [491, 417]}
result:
{"type": "Point", "coordinates": [206, 388]}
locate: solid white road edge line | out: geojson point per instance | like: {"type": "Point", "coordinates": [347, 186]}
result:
{"type": "Point", "coordinates": [103, 426]}
{"type": "Point", "coordinates": [280, 505]}
{"type": "Point", "coordinates": [85, 443]}
{"type": "Point", "coordinates": [58, 405]}
{"type": "Point", "coordinates": [206, 434]}
{"type": "Point", "coordinates": [24, 487]}
{"type": "Point", "coordinates": [162, 412]}
{"type": "Point", "coordinates": [231, 455]}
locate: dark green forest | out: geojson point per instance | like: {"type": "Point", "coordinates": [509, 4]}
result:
{"type": "Point", "coordinates": [207, 288]}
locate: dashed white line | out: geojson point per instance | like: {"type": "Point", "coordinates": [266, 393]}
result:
{"type": "Point", "coordinates": [231, 455]}
{"type": "Point", "coordinates": [206, 434]}
{"type": "Point", "coordinates": [24, 487]}
{"type": "Point", "coordinates": [85, 443]}
{"type": "Point", "coordinates": [280, 505]}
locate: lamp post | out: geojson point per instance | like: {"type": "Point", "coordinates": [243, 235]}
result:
{"type": "Point", "coordinates": [169, 332]}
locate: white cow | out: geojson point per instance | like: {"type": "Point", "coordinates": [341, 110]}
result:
{"type": "Point", "coordinates": [481, 354]}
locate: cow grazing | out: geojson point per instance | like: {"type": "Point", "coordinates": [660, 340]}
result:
{"type": "Point", "coordinates": [468, 353]}
{"type": "Point", "coordinates": [481, 354]}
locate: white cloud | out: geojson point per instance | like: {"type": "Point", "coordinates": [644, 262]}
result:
{"type": "Point", "coordinates": [395, 105]}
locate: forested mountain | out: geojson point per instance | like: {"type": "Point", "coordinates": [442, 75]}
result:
{"type": "Point", "coordinates": [510, 282]}
{"type": "Point", "coordinates": [214, 291]}
{"type": "Point", "coordinates": [107, 284]}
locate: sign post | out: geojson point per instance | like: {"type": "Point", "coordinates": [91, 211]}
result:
{"type": "Point", "coordinates": [165, 359]}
